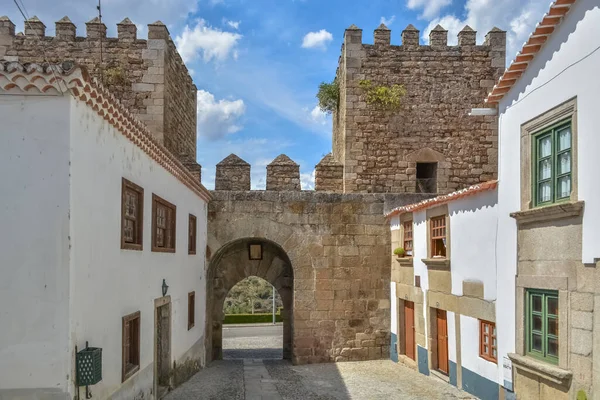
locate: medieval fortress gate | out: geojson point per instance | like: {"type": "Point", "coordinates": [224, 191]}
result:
{"type": "Point", "coordinates": [326, 251]}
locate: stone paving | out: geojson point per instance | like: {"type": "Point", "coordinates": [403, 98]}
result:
{"type": "Point", "coordinates": [254, 379]}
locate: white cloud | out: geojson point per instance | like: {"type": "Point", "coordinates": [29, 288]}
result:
{"type": "Point", "coordinates": [431, 8]}
{"type": "Point", "coordinates": [217, 119]}
{"type": "Point", "coordinates": [307, 180]}
{"type": "Point", "coordinates": [233, 24]}
{"type": "Point", "coordinates": [317, 40]}
{"type": "Point", "coordinates": [317, 116]}
{"type": "Point", "coordinates": [517, 17]}
{"type": "Point", "coordinates": [387, 21]}
{"type": "Point", "coordinates": [211, 43]}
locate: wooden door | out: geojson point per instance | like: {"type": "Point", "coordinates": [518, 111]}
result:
{"type": "Point", "coordinates": [442, 341]}
{"type": "Point", "coordinates": [409, 329]}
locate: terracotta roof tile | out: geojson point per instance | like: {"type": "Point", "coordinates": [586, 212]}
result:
{"type": "Point", "coordinates": [558, 9]}
{"type": "Point", "coordinates": [76, 81]}
{"type": "Point", "coordinates": [443, 199]}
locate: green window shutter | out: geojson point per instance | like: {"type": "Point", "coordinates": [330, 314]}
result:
{"type": "Point", "coordinates": [552, 164]}
{"type": "Point", "coordinates": [541, 315]}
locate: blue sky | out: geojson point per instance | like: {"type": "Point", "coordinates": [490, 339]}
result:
{"type": "Point", "coordinates": [258, 63]}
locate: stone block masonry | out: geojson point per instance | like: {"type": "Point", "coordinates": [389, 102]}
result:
{"type": "Point", "coordinates": [283, 174]}
{"type": "Point", "coordinates": [339, 249]}
{"type": "Point", "coordinates": [380, 151]}
{"type": "Point", "coordinates": [146, 76]}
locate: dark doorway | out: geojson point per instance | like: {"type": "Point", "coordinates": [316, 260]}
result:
{"type": "Point", "coordinates": [162, 337]}
{"type": "Point", "coordinates": [426, 177]}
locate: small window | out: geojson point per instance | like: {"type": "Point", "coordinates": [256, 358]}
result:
{"type": "Point", "coordinates": [255, 251]}
{"type": "Point", "coordinates": [542, 324]}
{"type": "Point", "coordinates": [438, 236]}
{"type": "Point", "coordinates": [426, 178]}
{"type": "Point", "coordinates": [132, 215]}
{"type": "Point", "coordinates": [488, 346]}
{"type": "Point", "coordinates": [552, 169]}
{"type": "Point", "coordinates": [191, 310]}
{"type": "Point", "coordinates": [192, 235]}
{"type": "Point", "coordinates": [163, 225]}
{"type": "Point", "coordinates": [408, 237]}
{"type": "Point", "coordinates": [131, 345]}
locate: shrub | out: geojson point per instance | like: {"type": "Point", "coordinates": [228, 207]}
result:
{"type": "Point", "coordinates": [384, 97]}
{"type": "Point", "coordinates": [251, 318]}
{"type": "Point", "coordinates": [329, 96]}
{"type": "Point", "coordinates": [400, 252]}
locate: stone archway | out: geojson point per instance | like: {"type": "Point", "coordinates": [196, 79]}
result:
{"type": "Point", "coordinates": [230, 265]}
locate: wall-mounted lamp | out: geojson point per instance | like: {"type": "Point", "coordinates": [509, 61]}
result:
{"type": "Point", "coordinates": [165, 288]}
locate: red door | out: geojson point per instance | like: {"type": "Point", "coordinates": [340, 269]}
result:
{"type": "Point", "coordinates": [409, 329]}
{"type": "Point", "coordinates": [442, 341]}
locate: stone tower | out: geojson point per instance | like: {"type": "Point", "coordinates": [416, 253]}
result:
{"type": "Point", "coordinates": [146, 76]}
{"type": "Point", "coordinates": [430, 144]}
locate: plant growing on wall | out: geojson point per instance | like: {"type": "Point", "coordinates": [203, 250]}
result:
{"type": "Point", "coordinates": [115, 76]}
{"type": "Point", "coordinates": [384, 97]}
{"type": "Point", "coordinates": [329, 96]}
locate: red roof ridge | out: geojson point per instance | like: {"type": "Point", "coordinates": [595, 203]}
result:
{"type": "Point", "coordinates": [443, 199]}
{"type": "Point", "coordinates": [543, 30]}
{"type": "Point", "coordinates": [57, 79]}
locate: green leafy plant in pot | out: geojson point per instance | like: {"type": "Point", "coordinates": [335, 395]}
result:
{"type": "Point", "coordinates": [400, 252]}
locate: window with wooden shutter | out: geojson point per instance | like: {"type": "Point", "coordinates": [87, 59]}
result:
{"type": "Point", "coordinates": [132, 215]}
{"type": "Point", "coordinates": [164, 215]}
{"type": "Point", "coordinates": [438, 236]}
{"type": "Point", "coordinates": [408, 238]}
{"type": "Point", "coordinates": [192, 235]}
{"type": "Point", "coordinates": [131, 345]}
{"type": "Point", "coordinates": [488, 346]}
{"type": "Point", "coordinates": [191, 310]}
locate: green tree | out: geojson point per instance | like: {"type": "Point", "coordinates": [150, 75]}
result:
{"type": "Point", "coordinates": [329, 96]}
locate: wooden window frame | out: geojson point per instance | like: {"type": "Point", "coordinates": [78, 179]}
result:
{"type": "Point", "coordinates": [491, 336]}
{"type": "Point", "coordinates": [191, 309]}
{"type": "Point", "coordinates": [529, 331]}
{"type": "Point", "coordinates": [551, 132]}
{"type": "Point", "coordinates": [192, 234]}
{"type": "Point", "coordinates": [127, 185]}
{"type": "Point", "coordinates": [128, 369]}
{"type": "Point", "coordinates": [407, 237]}
{"type": "Point", "coordinates": [170, 222]}
{"type": "Point", "coordinates": [433, 237]}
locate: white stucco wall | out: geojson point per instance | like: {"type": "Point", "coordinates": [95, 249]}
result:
{"type": "Point", "coordinates": [34, 243]}
{"type": "Point", "coordinates": [469, 333]}
{"type": "Point", "coordinates": [393, 308]}
{"type": "Point", "coordinates": [451, 336]}
{"type": "Point", "coordinates": [109, 283]}
{"type": "Point", "coordinates": [566, 67]}
{"type": "Point", "coordinates": [473, 235]}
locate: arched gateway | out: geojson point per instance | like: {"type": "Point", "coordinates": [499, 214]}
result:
{"type": "Point", "coordinates": [236, 261]}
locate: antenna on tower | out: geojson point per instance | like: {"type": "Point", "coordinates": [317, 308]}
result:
{"type": "Point", "coordinates": [99, 8]}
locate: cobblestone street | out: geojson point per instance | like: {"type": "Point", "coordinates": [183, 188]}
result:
{"type": "Point", "coordinates": [251, 379]}
{"type": "Point", "coordinates": [252, 369]}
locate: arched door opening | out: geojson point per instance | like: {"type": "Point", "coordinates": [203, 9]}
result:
{"type": "Point", "coordinates": [251, 326]}
{"type": "Point", "coordinates": [231, 264]}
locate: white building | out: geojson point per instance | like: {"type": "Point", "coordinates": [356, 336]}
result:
{"type": "Point", "coordinates": [94, 215]}
{"type": "Point", "coordinates": [549, 205]}
{"type": "Point", "coordinates": [444, 290]}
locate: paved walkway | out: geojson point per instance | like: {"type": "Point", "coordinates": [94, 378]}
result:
{"type": "Point", "coordinates": [253, 379]}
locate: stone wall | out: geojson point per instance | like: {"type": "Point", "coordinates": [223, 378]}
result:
{"type": "Point", "coordinates": [283, 174]}
{"type": "Point", "coordinates": [329, 175]}
{"type": "Point", "coordinates": [380, 149]}
{"type": "Point", "coordinates": [339, 248]}
{"type": "Point", "coordinates": [232, 173]}
{"type": "Point", "coordinates": [147, 76]}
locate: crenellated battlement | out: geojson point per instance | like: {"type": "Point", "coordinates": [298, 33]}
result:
{"type": "Point", "coordinates": [429, 143]}
{"type": "Point", "coordinates": [283, 174]}
{"type": "Point", "coordinates": [148, 76]}
{"type": "Point", "coordinates": [410, 38]}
